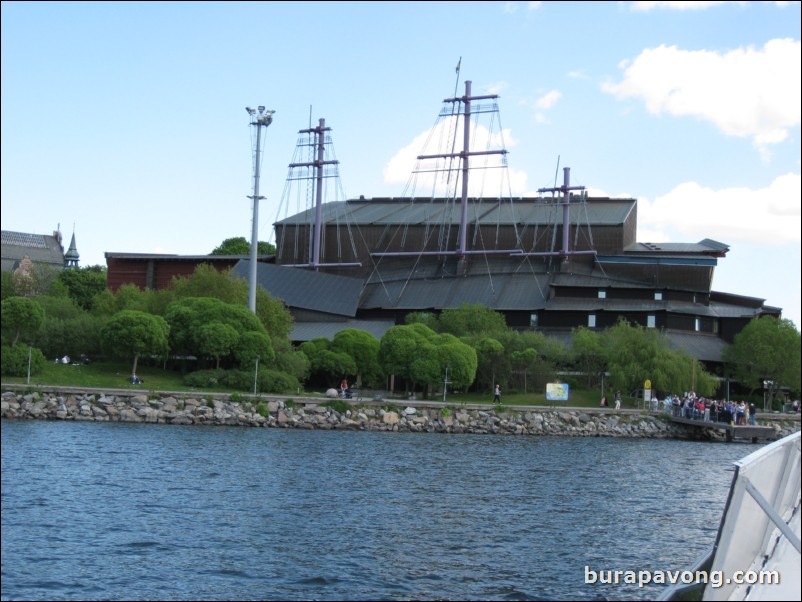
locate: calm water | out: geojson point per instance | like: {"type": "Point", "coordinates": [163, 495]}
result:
{"type": "Point", "coordinates": [108, 511]}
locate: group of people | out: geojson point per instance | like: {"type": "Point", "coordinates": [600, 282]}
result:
{"type": "Point", "coordinates": [696, 407]}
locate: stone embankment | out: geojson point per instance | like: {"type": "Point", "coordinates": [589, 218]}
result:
{"type": "Point", "coordinates": [314, 414]}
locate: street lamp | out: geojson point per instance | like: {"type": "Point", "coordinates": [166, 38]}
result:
{"type": "Point", "coordinates": [446, 382]}
{"type": "Point", "coordinates": [256, 374]}
{"type": "Point", "coordinates": [28, 382]}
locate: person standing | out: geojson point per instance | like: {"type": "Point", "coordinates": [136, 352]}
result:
{"type": "Point", "coordinates": [618, 400]}
{"type": "Point", "coordinates": [497, 394]}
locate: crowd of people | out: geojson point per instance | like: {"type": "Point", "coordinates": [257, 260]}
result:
{"type": "Point", "coordinates": [695, 407]}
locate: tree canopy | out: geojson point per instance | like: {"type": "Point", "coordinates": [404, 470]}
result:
{"type": "Point", "coordinates": [240, 246]}
{"type": "Point", "coordinates": [136, 333]}
{"type": "Point", "coordinates": [21, 316]}
{"type": "Point", "coordinates": [766, 353]}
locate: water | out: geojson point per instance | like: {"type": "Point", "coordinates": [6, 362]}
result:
{"type": "Point", "coordinates": [110, 511]}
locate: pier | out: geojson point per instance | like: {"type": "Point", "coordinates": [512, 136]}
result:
{"type": "Point", "coordinates": [732, 431]}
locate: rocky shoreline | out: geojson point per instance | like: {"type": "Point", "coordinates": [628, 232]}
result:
{"type": "Point", "coordinates": [374, 416]}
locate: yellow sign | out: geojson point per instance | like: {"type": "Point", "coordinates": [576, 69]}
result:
{"type": "Point", "coordinates": [647, 384]}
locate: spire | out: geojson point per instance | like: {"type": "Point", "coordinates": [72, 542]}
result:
{"type": "Point", "coordinates": [71, 256]}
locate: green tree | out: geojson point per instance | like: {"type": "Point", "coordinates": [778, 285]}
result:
{"type": "Point", "coordinates": [216, 340]}
{"type": "Point", "coordinates": [441, 352]}
{"type": "Point", "coordinates": [766, 351]}
{"type": "Point", "coordinates": [490, 353]}
{"type": "Point", "coordinates": [208, 281]}
{"type": "Point", "coordinates": [635, 354]}
{"type": "Point", "coordinates": [240, 246]}
{"type": "Point", "coordinates": [399, 347]}
{"type": "Point", "coordinates": [325, 365]}
{"type": "Point", "coordinates": [363, 347]}
{"type": "Point", "coordinates": [67, 329]}
{"type": "Point", "coordinates": [428, 318]}
{"type": "Point", "coordinates": [588, 354]}
{"type": "Point", "coordinates": [472, 319]}
{"type": "Point", "coordinates": [21, 316]}
{"type": "Point", "coordinates": [525, 362]}
{"type": "Point", "coordinates": [189, 316]}
{"type": "Point", "coordinates": [18, 359]}
{"type": "Point", "coordinates": [7, 286]}
{"type": "Point", "coordinates": [131, 332]}
{"type": "Point", "coordinates": [84, 284]}
{"type": "Point", "coordinates": [252, 344]}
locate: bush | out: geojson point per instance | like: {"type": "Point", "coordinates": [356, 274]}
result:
{"type": "Point", "coordinates": [15, 360]}
{"type": "Point", "coordinates": [338, 405]}
{"type": "Point", "coordinates": [269, 381]}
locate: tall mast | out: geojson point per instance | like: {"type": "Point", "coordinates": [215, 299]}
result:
{"type": "Point", "coordinates": [258, 120]}
{"type": "Point", "coordinates": [566, 188]}
{"type": "Point", "coordinates": [318, 165]}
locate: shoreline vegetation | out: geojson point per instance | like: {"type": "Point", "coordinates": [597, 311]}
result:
{"type": "Point", "coordinates": [26, 402]}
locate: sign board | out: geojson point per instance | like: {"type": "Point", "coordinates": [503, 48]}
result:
{"type": "Point", "coordinates": [647, 394]}
{"type": "Point", "coordinates": [556, 392]}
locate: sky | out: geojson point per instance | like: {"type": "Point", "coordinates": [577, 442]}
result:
{"type": "Point", "coordinates": [124, 123]}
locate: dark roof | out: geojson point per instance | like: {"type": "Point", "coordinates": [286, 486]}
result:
{"type": "Point", "coordinates": [172, 257]}
{"type": "Point", "coordinates": [705, 347]}
{"type": "Point", "coordinates": [305, 289]}
{"type": "Point", "coordinates": [703, 247]}
{"type": "Point", "coordinates": [420, 211]}
{"type": "Point", "coordinates": [307, 331]}
{"type": "Point", "coordinates": [40, 248]}
{"type": "Point", "coordinates": [499, 292]}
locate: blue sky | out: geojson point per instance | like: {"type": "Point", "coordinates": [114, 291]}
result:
{"type": "Point", "coordinates": [125, 122]}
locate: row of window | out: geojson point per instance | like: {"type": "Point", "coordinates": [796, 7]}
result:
{"type": "Point", "coordinates": [651, 322]}
{"type": "Point", "coordinates": [658, 295]}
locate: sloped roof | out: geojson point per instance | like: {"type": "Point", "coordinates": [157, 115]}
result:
{"type": "Point", "coordinates": [706, 246]}
{"type": "Point", "coordinates": [501, 292]}
{"type": "Point", "coordinates": [41, 248]}
{"type": "Point", "coordinates": [419, 211]}
{"type": "Point", "coordinates": [307, 331]}
{"type": "Point", "coordinates": [305, 289]}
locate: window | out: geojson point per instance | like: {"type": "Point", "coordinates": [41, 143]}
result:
{"type": "Point", "coordinates": [650, 321]}
{"type": "Point", "coordinates": [658, 295]}
{"type": "Point", "coordinates": [602, 294]}
{"type": "Point", "coordinates": [591, 320]}
{"type": "Point", "coordinates": [533, 320]}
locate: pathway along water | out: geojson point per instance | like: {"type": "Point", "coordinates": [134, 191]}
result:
{"type": "Point", "coordinates": [98, 511]}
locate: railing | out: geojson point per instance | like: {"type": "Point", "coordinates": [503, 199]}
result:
{"type": "Point", "coordinates": [764, 495]}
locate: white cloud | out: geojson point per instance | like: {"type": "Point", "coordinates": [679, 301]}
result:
{"type": "Point", "coordinates": [769, 216]}
{"type": "Point", "coordinates": [548, 100]}
{"type": "Point", "coordinates": [746, 92]}
{"type": "Point", "coordinates": [494, 181]}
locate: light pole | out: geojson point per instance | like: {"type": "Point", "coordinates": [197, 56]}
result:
{"type": "Point", "coordinates": [445, 384]}
{"type": "Point", "coordinates": [259, 118]}
{"type": "Point", "coordinates": [256, 374]}
{"type": "Point", "coordinates": [28, 382]}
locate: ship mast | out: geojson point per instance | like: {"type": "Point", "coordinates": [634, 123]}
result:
{"type": "Point", "coordinates": [318, 165]}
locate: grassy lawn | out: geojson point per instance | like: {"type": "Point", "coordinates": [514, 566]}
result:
{"type": "Point", "coordinates": [115, 375]}
{"type": "Point", "coordinates": [111, 375]}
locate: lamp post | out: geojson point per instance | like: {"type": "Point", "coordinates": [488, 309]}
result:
{"type": "Point", "coordinates": [256, 374]}
{"type": "Point", "coordinates": [28, 382]}
{"type": "Point", "coordinates": [445, 384]}
{"type": "Point", "coordinates": [259, 118]}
